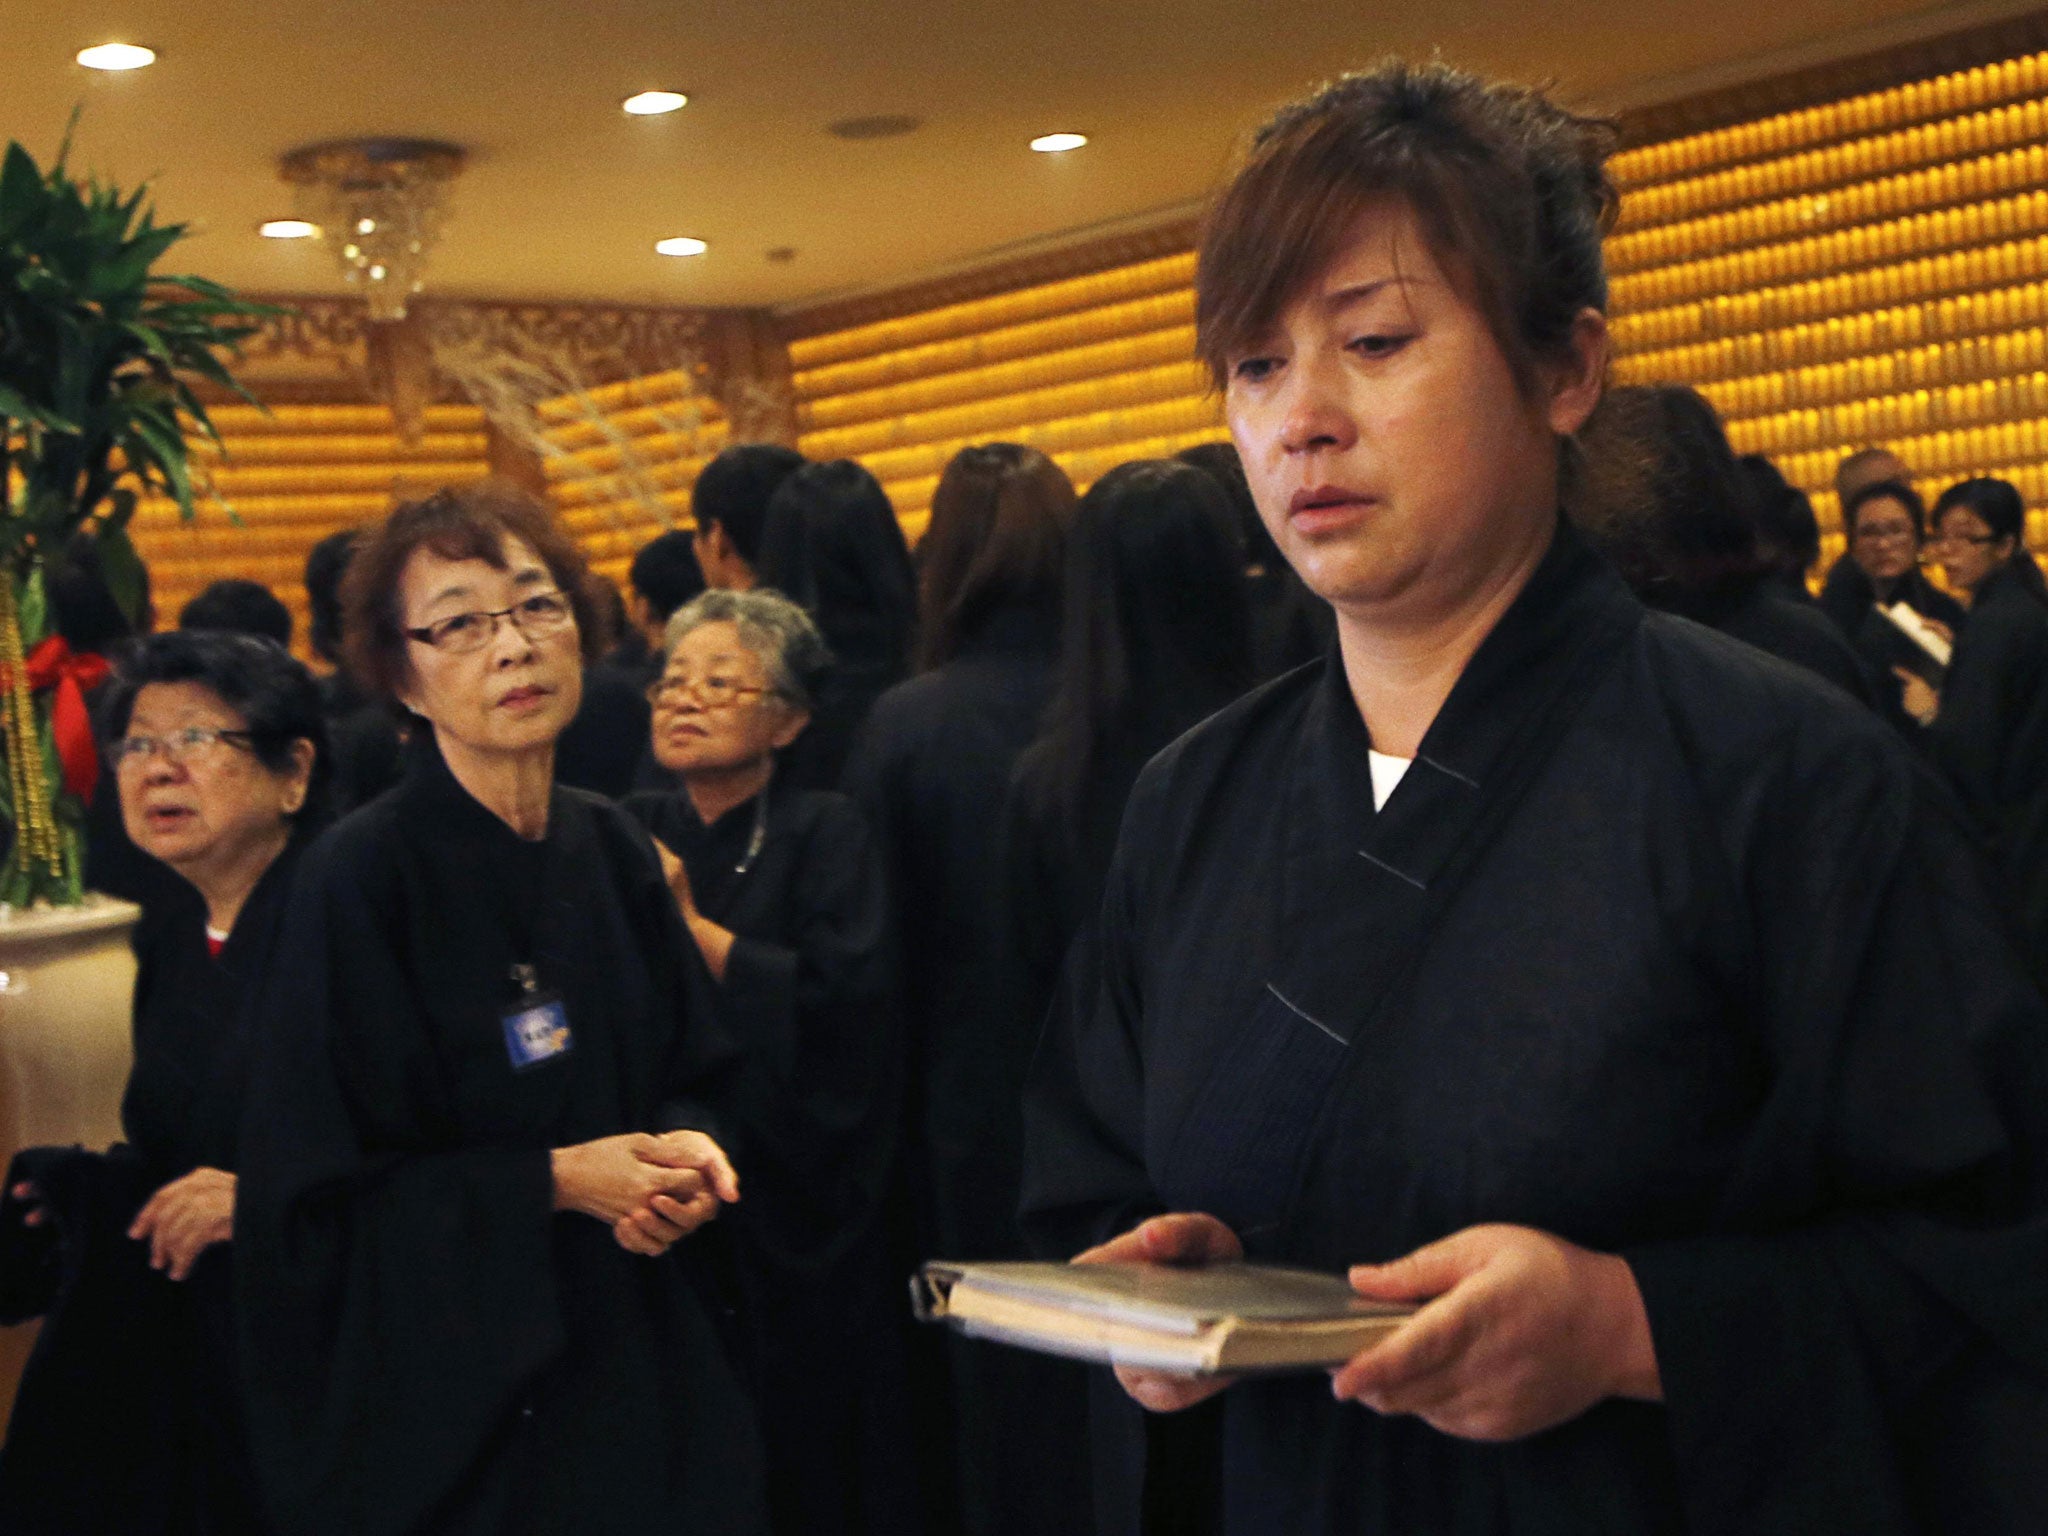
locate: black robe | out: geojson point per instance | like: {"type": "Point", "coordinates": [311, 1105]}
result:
{"type": "Point", "coordinates": [1766, 616]}
{"type": "Point", "coordinates": [1659, 946]}
{"type": "Point", "coordinates": [429, 1345]}
{"type": "Point", "coordinates": [128, 1417]}
{"type": "Point", "coordinates": [1991, 737]}
{"type": "Point", "coordinates": [810, 993]}
{"type": "Point", "coordinates": [931, 769]}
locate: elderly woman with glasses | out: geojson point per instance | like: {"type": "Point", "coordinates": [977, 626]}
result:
{"type": "Point", "coordinates": [783, 895]}
{"type": "Point", "coordinates": [219, 758]}
{"type": "Point", "coordinates": [481, 1146]}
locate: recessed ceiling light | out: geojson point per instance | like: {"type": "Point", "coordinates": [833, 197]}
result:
{"type": "Point", "coordinates": [1058, 143]}
{"type": "Point", "coordinates": [681, 245]}
{"type": "Point", "coordinates": [287, 229]}
{"type": "Point", "coordinates": [116, 56]}
{"type": "Point", "coordinates": [654, 103]}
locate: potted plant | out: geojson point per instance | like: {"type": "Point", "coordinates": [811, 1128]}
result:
{"type": "Point", "coordinates": [99, 357]}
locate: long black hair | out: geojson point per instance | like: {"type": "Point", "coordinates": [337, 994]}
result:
{"type": "Point", "coordinates": [1155, 633]}
{"type": "Point", "coordinates": [833, 544]}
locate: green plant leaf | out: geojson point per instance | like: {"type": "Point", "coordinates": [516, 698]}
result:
{"type": "Point", "coordinates": [164, 444]}
{"type": "Point", "coordinates": [21, 191]}
{"type": "Point", "coordinates": [127, 577]}
{"type": "Point", "coordinates": [33, 605]}
{"type": "Point", "coordinates": [12, 404]}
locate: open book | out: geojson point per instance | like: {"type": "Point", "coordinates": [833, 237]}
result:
{"type": "Point", "coordinates": [1218, 1319]}
{"type": "Point", "coordinates": [1926, 656]}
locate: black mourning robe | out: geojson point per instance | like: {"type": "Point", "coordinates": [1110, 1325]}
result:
{"type": "Point", "coordinates": [810, 992]}
{"type": "Point", "coordinates": [429, 1345]}
{"type": "Point", "coordinates": [128, 1417]}
{"type": "Point", "coordinates": [1659, 946]}
{"type": "Point", "coordinates": [1764, 615]}
{"type": "Point", "coordinates": [1991, 736]}
{"type": "Point", "coordinates": [931, 769]}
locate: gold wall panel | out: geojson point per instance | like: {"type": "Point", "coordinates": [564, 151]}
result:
{"type": "Point", "coordinates": [1871, 270]}
{"type": "Point", "coordinates": [288, 479]}
{"type": "Point", "coordinates": [621, 460]}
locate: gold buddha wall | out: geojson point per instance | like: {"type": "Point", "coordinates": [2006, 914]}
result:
{"type": "Point", "coordinates": [1866, 270]}
{"type": "Point", "coordinates": [624, 458]}
{"type": "Point", "coordinates": [1093, 369]}
{"type": "Point", "coordinates": [291, 477]}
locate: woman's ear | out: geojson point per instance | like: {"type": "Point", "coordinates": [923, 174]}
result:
{"type": "Point", "coordinates": [1575, 381]}
{"type": "Point", "coordinates": [790, 727]}
{"type": "Point", "coordinates": [298, 779]}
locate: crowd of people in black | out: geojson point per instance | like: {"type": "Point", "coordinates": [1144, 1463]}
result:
{"type": "Point", "coordinates": [1336, 855]}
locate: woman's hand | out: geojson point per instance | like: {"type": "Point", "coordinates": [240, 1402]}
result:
{"type": "Point", "coordinates": [677, 874]}
{"type": "Point", "coordinates": [185, 1218]}
{"type": "Point", "coordinates": [1917, 696]}
{"type": "Point", "coordinates": [713, 941]}
{"type": "Point", "coordinates": [33, 1212]}
{"type": "Point", "coordinates": [650, 1190]}
{"type": "Point", "coordinates": [1522, 1331]}
{"type": "Point", "coordinates": [1184, 1238]}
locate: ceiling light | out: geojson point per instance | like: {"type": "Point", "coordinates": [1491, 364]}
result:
{"type": "Point", "coordinates": [380, 204]}
{"type": "Point", "coordinates": [654, 103]}
{"type": "Point", "coordinates": [1058, 143]}
{"type": "Point", "coordinates": [287, 229]}
{"type": "Point", "coordinates": [117, 56]}
{"type": "Point", "coordinates": [681, 245]}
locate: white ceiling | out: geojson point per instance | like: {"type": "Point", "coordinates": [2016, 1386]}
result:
{"type": "Point", "coordinates": [565, 195]}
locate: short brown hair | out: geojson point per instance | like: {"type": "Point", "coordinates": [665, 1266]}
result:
{"type": "Point", "coordinates": [1511, 191]}
{"type": "Point", "coordinates": [998, 535]}
{"type": "Point", "coordinates": [471, 522]}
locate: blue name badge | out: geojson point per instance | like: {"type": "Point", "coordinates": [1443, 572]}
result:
{"type": "Point", "coordinates": [536, 1031]}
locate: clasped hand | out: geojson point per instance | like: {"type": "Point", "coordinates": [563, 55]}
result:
{"type": "Point", "coordinates": [1518, 1330]}
{"type": "Point", "coordinates": [652, 1191]}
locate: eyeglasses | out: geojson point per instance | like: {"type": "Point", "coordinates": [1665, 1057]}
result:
{"type": "Point", "coordinates": [710, 692]}
{"type": "Point", "coordinates": [541, 614]}
{"type": "Point", "coordinates": [1884, 533]}
{"type": "Point", "coordinates": [195, 743]}
{"type": "Point", "coordinates": [1977, 539]}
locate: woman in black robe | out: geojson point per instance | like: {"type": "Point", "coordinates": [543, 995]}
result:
{"type": "Point", "coordinates": [1156, 637]}
{"type": "Point", "coordinates": [477, 1158]}
{"type": "Point", "coordinates": [782, 893]}
{"type": "Point", "coordinates": [1886, 524]}
{"type": "Point", "coordinates": [127, 1419]}
{"type": "Point", "coordinates": [1627, 1000]}
{"type": "Point", "coordinates": [1989, 730]}
{"type": "Point", "coordinates": [929, 769]}
{"type": "Point", "coordinates": [833, 544]}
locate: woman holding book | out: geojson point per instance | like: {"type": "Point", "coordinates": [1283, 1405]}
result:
{"type": "Point", "coordinates": [1621, 996]}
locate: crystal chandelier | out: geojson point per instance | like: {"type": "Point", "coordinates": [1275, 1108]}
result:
{"type": "Point", "coordinates": [379, 205]}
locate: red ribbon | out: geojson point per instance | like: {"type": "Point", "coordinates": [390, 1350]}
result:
{"type": "Point", "coordinates": [53, 664]}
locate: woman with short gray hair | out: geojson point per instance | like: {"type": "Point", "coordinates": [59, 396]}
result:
{"type": "Point", "coordinates": [783, 892]}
